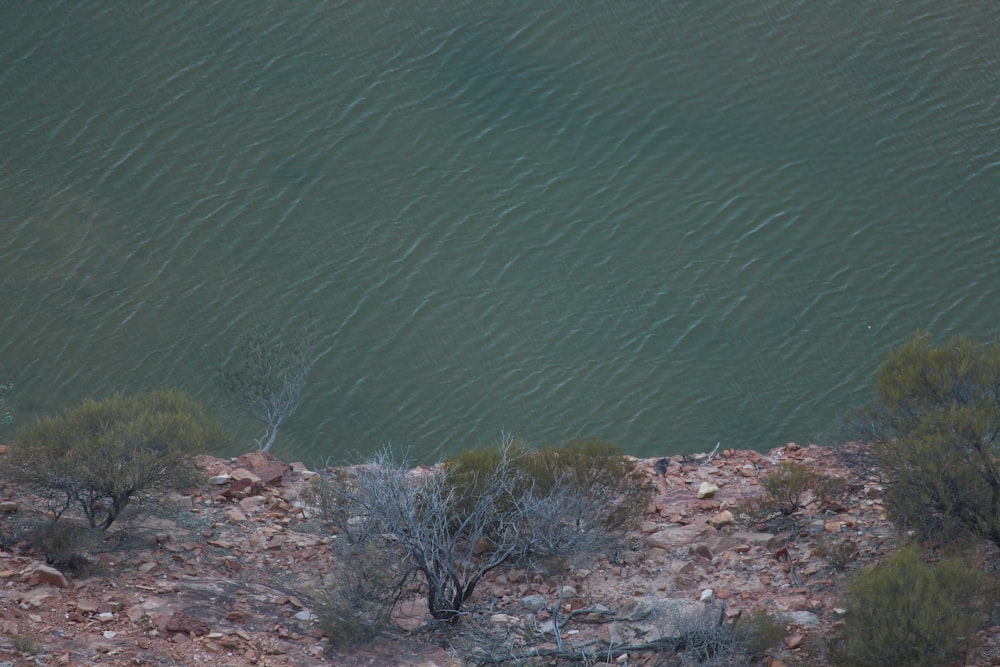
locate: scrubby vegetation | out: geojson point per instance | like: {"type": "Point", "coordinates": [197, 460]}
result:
{"type": "Point", "coordinates": [708, 640]}
{"type": "Point", "coordinates": [909, 613]}
{"type": "Point", "coordinates": [934, 429]}
{"type": "Point", "coordinates": [438, 533]}
{"type": "Point", "coordinates": [103, 454]}
{"type": "Point", "coordinates": [587, 492]}
{"type": "Point", "coordinates": [789, 488]}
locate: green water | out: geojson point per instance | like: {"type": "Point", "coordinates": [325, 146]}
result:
{"type": "Point", "coordinates": [666, 224]}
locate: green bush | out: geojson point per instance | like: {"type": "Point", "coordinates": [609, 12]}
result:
{"type": "Point", "coordinates": [791, 487]}
{"type": "Point", "coordinates": [599, 468]}
{"type": "Point", "coordinates": [65, 545]}
{"type": "Point", "coordinates": [934, 429]}
{"type": "Point", "coordinates": [910, 613]}
{"type": "Point", "coordinates": [103, 454]}
{"type": "Point", "coordinates": [588, 492]}
{"type": "Point", "coordinates": [759, 632]}
{"type": "Point", "coordinates": [355, 604]}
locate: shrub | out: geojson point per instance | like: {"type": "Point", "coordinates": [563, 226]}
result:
{"type": "Point", "coordinates": [708, 640]}
{"type": "Point", "coordinates": [791, 487]}
{"type": "Point", "coordinates": [103, 454]}
{"type": "Point", "coordinates": [600, 470]}
{"type": "Point", "coordinates": [838, 552]}
{"type": "Point", "coordinates": [450, 526]}
{"type": "Point", "coordinates": [355, 606]}
{"type": "Point", "coordinates": [759, 632]}
{"type": "Point", "coordinates": [386, 508]}
{"type": "Point", "coordinates": [65, 545]}
{"type": "Point", "coordinates": [934, 429]}
{"type": "Point", "coordinates": [909, 613]}
{"type": "Point", "coordinates": [265, 376]}
{"type": "Point", "coordinates": [584, 494]}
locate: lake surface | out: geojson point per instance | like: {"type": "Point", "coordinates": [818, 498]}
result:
{"type": "Point", "coordinates": [668, 224]}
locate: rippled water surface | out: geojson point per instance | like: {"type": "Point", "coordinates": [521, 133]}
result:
{"type": "Point", "coordinates": [667, 224]}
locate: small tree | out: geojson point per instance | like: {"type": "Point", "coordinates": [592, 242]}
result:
{"type": "Point", "coordinates": [105, 453]}
{"type": "Point", "coordinates": [265, 376]}
{"type": "Point", "coordinates": [934, 429]}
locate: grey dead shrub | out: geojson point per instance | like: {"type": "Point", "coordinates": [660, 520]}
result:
{"type": "Point", "coordinates": [446, 528]}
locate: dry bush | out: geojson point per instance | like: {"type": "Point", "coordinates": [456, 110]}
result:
{"type": "Point", "coordinates": [838, 552]}
{"type": "Point", "coordinates": [448, 551]}
{"type": "Point", "coordinates": [65, 545]}
{"type": "Point", "coordinates": [449, 526]}
{"type": "Point", "coordinates": [789, 488]}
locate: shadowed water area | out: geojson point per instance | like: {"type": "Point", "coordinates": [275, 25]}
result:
{"type": "Point", "coordinates": [665, 224]}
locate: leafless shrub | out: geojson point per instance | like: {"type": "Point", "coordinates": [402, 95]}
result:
{"type": "Point", "coordinates": [265, 375]}
{"type": "Point", "coordinates": [449, 552]}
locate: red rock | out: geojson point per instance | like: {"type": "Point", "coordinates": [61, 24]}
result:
{"type": "Point", "coordinates": [235, 516]}
{"type": "Point", "coordinates": [271, 475]}
{"type": "Point", "coordinates": [721, 520]}
{"type": "Point", "coordinates": [244, 475]}
{"type": "Point", "coordinates": [48, 576]}
{"type": "Point", "coordinates": [179, 622]}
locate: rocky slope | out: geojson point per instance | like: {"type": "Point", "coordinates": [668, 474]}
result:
{"type": "Point", "coordinates": [223, 575]}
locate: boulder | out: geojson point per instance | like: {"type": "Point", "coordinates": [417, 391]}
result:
{"type": "Point", "coordinates": [533, 602]}
{"type": "Point", "coordinates": [723, 518]}
{"type": "Point", "coordinates": [48, 576]}
{"type": "Point", "coordinates": [707, 490]}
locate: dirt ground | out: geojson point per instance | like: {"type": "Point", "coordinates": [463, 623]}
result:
{"type": "Point", "coordinates": [225, 574]}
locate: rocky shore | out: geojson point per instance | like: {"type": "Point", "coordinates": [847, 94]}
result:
{"type": "Point", "coordinates": [223, 574]}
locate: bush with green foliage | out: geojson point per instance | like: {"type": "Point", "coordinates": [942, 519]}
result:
{"type": "Point", "coordinates": [103, 454]}
{"type": "Point", "coordinates": [791, 487]}
{"type": "Point", "coordinates": [908, 613]}
{"type": "Point", "coordinates": [934, 429]}
{"type": "Point", "coordinates": [588, 493]}
{"type": "Point", "coordinates": [622, 493]}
